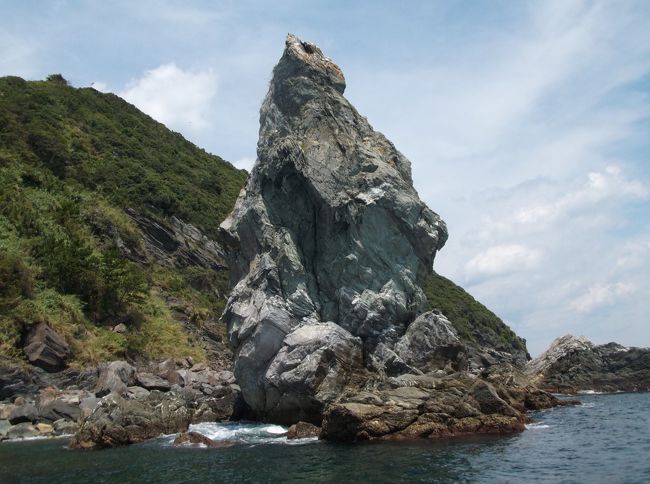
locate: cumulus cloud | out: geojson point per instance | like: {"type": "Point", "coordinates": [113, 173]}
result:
{"type": "Point", "coordinates": [602, 295]}
{"type": "Point", "coordinates": [177, 98]}
{"type": "Point", "coordinates": [503, 259]}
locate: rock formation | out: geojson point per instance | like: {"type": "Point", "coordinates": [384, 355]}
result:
{"type": "Point", "coordinates": [573, 364]}
{"type": "Point", "coordinates": [329, 246]}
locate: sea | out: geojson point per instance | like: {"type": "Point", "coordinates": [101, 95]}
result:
{"type": "Point", "coordinates": [605, 440]}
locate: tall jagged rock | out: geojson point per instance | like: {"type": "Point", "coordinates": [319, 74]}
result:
{"type": "Point", "coordinates": [328, 244]}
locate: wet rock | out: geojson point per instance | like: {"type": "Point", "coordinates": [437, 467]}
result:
{"type": "Point", "coordinates": [302, 430]}
{"type": "Point", "coordinates": [24, 413]}
{"type": "Point", "coordinates": [194, 438]}
{"type": "Point", "coordinates": [114, 378]}
{"type": "Point", "coordinates": [152, 382]}
{"type": "Point", "coordinates": [46, 348]}
{"type": "Point", "coordinates": [6, 409]}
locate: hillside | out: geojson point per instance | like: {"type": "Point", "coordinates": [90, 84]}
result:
{"type": "Point", "coordinates": [106, 218]}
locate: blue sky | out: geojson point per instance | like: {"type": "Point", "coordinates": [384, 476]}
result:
{"type": "Point", "coordinates": [527, 123]}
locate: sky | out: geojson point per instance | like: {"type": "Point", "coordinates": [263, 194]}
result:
{"type": "Point", "coordinates": [527, 123]}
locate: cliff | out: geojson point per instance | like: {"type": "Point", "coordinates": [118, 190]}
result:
{"type": "Point", "coordinates": [329, 247]}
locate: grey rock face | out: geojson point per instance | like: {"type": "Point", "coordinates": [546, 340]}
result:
{"type": "Point", "coordinates": [431, 342]}
{"type": "Point", "coordinates": [572, 364]}
{"type": "Point", "coordinates": [46, 348]}
{"type": "Point", "coordinates": [114, 377]}
{"type": "Point", "coordinates": [23, 413]}
{"type": "Point", "coordinates": [327, 244]}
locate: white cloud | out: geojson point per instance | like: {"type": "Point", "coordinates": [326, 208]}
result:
{"type": "Point", "coordinates": [600, 186]}
{"type": "Point", "coordinates": [503, 259]}
{"type": "Point", "coordinates": [602, 295]}
{"type": "Point", "coordinates": [245, 163]}
{"type": "Point", "coordinates": [177, 98]}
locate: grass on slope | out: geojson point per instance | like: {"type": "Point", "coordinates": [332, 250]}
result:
{"type": "Point", "coordinates": [70, 161]}
{"type": "Point", "coordinates": [474, 322]}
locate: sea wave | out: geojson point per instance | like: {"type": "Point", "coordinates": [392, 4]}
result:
{"type": "Point", "coordinates": [244, 433]}
{"type": "Point", "coordinates": [537, 425]}
{"type": "Point", "coordinates": [589, 392]}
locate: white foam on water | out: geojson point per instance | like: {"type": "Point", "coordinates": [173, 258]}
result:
{"type": "Point", "coordinates": [589, 392]}
{"type": "Point", "coordinates": [535, 426]}
{"type": "Point", "coordinates": [243, 433]}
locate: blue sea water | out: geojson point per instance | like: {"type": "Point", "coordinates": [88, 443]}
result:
{"type": "Point", "coordinates": [607, 439]}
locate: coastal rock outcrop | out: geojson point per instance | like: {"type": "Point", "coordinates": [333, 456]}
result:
{"type": "Point", "coordinates": [327, 245]}
{"type": "Point", "coordinates": [329, 248]}
{"type": "Point", "coordinates": [573, 364]}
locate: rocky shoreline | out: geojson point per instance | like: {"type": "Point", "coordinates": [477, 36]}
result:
{"type": "Point", "coordinates": [115, 403]}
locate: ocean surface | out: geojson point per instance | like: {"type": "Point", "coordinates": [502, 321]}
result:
{"type": "Point", "coordinates": [607, 439]}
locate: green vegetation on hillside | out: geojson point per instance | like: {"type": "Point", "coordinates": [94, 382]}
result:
{"type": "Point", "coordinates": [70, 161]}
{"type": "Point", "coordinates": [474, 322]}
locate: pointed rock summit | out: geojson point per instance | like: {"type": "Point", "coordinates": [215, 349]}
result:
{"type": "Point", "coordinates": [328, 245]}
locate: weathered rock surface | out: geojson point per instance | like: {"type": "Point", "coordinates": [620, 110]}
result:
{"type": "Point", "coordinates": [302, 430]}
{"type": "Point", "coordinates": [573, 364]}
{"type": "Point", "coordinates": [23, 413]}
{"type": "Point", "coordinates": [424, 406]}
{"type": "Point", "coordinates": [46, 348]}
{"type": "Point", "coordinates": [195, 438]}
{"type": "Point", "coordinates": [118, 421]}
{"type": "Point", "coordinates": [114, 377]}
{"type": "Point", "coordinates": [327, 246]}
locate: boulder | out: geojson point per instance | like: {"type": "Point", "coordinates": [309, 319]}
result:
{"type": "Point", "coordinates": [44, 428]}
{"type": "Point", "coordinates": [65, 427]}
{"type": "Point", "coordinates": [137, 392]}
{"type": "Point", "coordinates": [4, 428]}
{"type": "Point", "coordinates": [194, 438]}
{"type": "Point", "coordinates": [118, 421]}
{"type": "Point", "coordinates": [22, 431]}
{"type": "Point", "coordinates": [88, 405]}
{"type": "Point", "coordinates": [46, 348]}
{"type": "Point", "coordinates": [302, 430]}
{"type": "Point", "coordinates": [152, 382]}
{"type": "Point", "coordinates": [59, 409]}
{"type": "Point", "coordinates": [23, 413]}
{"type": "Point", "coordinates": [431, 343]}
{"type": "Point", "coordinates": [114, 377]}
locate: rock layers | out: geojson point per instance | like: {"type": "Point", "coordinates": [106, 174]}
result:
{"type": "Point", "coordinates": [574, 364]}
{"type": "Point", "coordinates": [326, 243]}
{"type": "Point", "coordinates": [329, 246]}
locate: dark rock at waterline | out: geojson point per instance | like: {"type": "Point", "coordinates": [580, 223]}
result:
{"type": "Point", "coordinates": [46, 348]}
{"type": "Point", "coordinates": [573, 364]}
{"type": "Point", "coordinates": [424, 406]}
{"type": "Point", "coordinates": [23, 413]}
{"type": "Point", "coordinates": [22, 431]}
{"type": "Point", "coordinates": [302, 430]}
